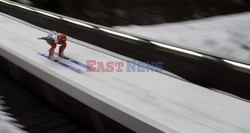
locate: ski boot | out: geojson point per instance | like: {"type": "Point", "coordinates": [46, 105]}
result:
{"type": "Point", "coordinates": [52, 58]}
{"type": "Point", "coordinates": [63, 56]}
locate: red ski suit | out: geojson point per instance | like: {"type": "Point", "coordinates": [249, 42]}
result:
{"type": "Point", "coordinates": [53, 41]}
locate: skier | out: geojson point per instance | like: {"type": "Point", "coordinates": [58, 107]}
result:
{"type": "Point", "coordinates": [53, 39]}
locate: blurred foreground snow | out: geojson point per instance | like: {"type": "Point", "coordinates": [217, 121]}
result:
{"type": "Point", "coordinates": [223, 35]}
{"type": "Point", "coordinates": [26, 2]}
{"type": "Point", "coordinates": [7, 124]}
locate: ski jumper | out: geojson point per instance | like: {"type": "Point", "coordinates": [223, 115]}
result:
{"type": "Point", "coordinates": [56, 38]}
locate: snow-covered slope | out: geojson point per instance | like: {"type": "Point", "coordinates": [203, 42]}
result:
{"type": "Point", "coordinates": [224, 35]}
{"type": "Point", "coordinates": [163, 102]}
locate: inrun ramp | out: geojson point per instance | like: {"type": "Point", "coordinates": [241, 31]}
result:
{"type": "Point", "coordinates": [142, 101]}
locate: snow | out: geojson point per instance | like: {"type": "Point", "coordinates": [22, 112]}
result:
{"type": "Point", "coordinates": [7, 123]}
{"type": "Point", "coordinates": [227, 36]}
{"type": "Point", "coordinates": [26, 2]}
{"type": "Point", "coordinates": [164, 102]}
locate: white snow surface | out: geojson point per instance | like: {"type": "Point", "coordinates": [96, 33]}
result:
{"type": "Point", "coordinates": [227, 36]}
{"type": "Point", "coordinates": [7, 123]}
{"type": "Point", "coordinates": [164, 102]}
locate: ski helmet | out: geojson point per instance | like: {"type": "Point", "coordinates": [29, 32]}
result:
{"type": "Point", "coordinates": [62, 37]}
